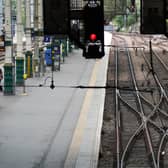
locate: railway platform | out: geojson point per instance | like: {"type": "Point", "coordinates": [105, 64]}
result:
{"type": "Point", "coordinates": [55, 128]}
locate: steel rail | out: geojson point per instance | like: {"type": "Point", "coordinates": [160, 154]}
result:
{"type": "Point", "coordinates": [117, 111]}
{"type": "Point", "coordinates": [160, 110]}
{"type": "Point", "coordinates": [133, 109]}
{"type": "Point", "coordinates": [163, 95]}
{"type": "Point", "coordinates": [141, 114]}
{"type": "Point", "coordinates": [161, 61]}
{"type": "Point", "coordinates": [156, 78]}
{"type": "Point", "coordinates": [147, 119]}
{"type": "Point", "coordinates": [144, 119]}
{"type": "Point", "coordinates": [160, 147]}
{"type": "Point", "coordinates": [137, 132]}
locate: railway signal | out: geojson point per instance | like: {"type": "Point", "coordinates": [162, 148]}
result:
{"type": "Point", "coordinates": [94, 30]}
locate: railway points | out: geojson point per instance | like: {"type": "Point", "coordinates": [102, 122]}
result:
{"type": "Point", "coordinates": [135, 120]}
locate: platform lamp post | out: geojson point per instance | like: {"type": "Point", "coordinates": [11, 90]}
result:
{"type": "Point", "coordinates": [19, 49]}
{"type": "Point", "coordinates": [28, 55]}
{"type": "Point", "coordinates": [9, 87]}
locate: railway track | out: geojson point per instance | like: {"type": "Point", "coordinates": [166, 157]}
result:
{"type": "Point", "coordinates": [159, 70]}
{"type": "Point", "coordinates": [139, 137]}
{"type": "Point", "coordinates": [158, 60]}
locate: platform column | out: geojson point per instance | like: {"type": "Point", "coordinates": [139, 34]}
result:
{"type": "Point", "coordinates": [69, 43]}
{"type": "Point", "coordinates": [19, 71]}
{"type": "Point", "coordinates": [9, 81]}
{"type": "Point", "coordinates": [9, 78]}
{"type": "Point", "coordinates": [19, 60]}
{"type": "Point", "coordinates": [29, 63]}
{"type": "Point", "coordinates": [64, 48]}
{"type": "Point", "coordinates": [36, 60]}
{"type": "Point", "coordinates": [28, 54]}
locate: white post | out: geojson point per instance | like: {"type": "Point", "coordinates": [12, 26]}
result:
{"type": "Point", "coordinates": [28, 59]}
{"type": "Point", "coordinates": [40, 27]}
{"type": "Point", "coordinates": [1, 17]}
{"type": "Point", "coordinates": [36, 43]}
{"type": "Point", "coordinates": [19, 51]}
{"type": "Point", "coordinates": [8, 32]}
{"type": "Point", "coordinates": [9, 88]}
{"type": "Point", "coordinates": [32, 13]}
{"type": "Point", "coordinates": [40, 21]}
{"type": "Point", "coordinates": [28, 26]}
{"type": "Point", "coordinates": [19, 47]}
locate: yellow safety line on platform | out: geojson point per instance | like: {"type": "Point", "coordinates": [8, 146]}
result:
{"type": "Point", "coordinates": [79, 130]}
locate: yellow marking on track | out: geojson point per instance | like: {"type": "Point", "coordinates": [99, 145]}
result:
{"type": "Point", "coordinates": [79, 130]}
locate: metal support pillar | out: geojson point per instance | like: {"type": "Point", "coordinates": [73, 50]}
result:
{"type": "Point", "coordinates": [19, 52]}
{"type": "Point", "coordinates": [29, 63]}
{"type": "Point", "coordinates": [9, 88]}
{"type": "Point", "coordinates": [29, 53]}
{"type": "Point", "coordinates": [69, 46]}
{"type": "Point", "coordinates": [36, 61]}
{"type": "Point", "coordinates": [42, 67]}
{"type": "Point", "coordinates": [9, 84]}
{"type": "Point", "coordinates": [1, 17]}
{"type": "Point", "coordinates": [40, 33]}
{"type": "Point", "coordinates": [19, 71]}
{"type": "Point", "coordinates": [64, 48]}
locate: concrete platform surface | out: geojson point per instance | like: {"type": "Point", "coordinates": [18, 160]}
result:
{"type": "Point", "coordinates": [55, 128]}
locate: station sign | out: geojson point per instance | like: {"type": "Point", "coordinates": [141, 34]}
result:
{"type": "Point", "coordinates": [47, 39]}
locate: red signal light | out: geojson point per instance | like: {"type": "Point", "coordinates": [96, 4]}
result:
{"type": "Point", "coordinates": [93, 37]}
